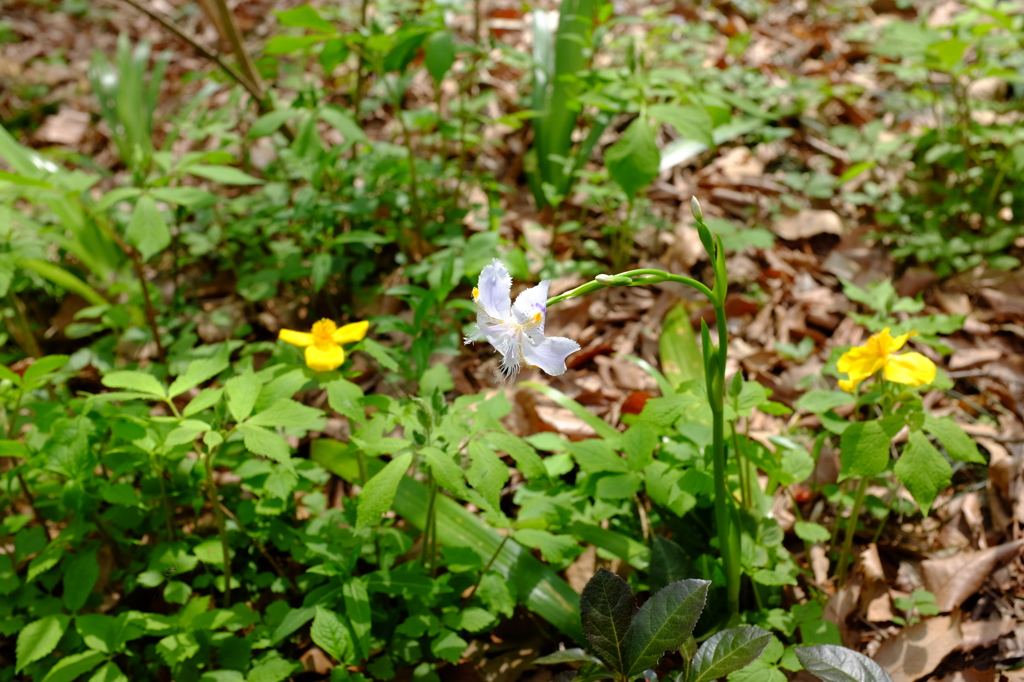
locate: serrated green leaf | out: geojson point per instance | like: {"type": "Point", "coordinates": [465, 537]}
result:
{"type": "Point", "coordinates": [242, 390]}
{"type": "Point", "coordinates": [923, 470]}
{"type": "Point", "coordinates": [663, 623]}
{"type": "Point", "coordinates": [199, 371]}
{"type": "Point", "coordinates": [38, 639]}
{"type": "Point", "coordinates": [959, 446]}
{"type": "Point", "coordinates": [331, 634]}
{"type": "Point", "coordinates": [70, 667]}
{"type": "Point", "coordinates": [526, 458]}
{"type": "Point", "coordinates": [261, 441]}
{"type": "Point", "coordinates": [346, 398]}
{"type": "Point", "coordinates": [109, 673]}
{"type": "Point", "coordinates": [135, 381]}
{"type": "Point", "coordinates": [305, 16]}
{"type": "Point", "coordinates": [606, 610]}
{"type": "Point", "coordinates": [486, 474]}
{"type": "Point", "coordinates": [80, 575]}
{"type": "Point", "coordinates": [690, 121]}
{"type": "Point", "coordinates": [147, 230]}
{"type": "Point", "coordinates": [633, 160]}
{"type": "Point", "coordinates": [864, 447]}
{"type": "Point", "coordinates": [206, 399]}
{"type": "Point", "coordinates": [379, 492]}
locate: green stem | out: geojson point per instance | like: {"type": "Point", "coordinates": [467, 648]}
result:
{"type": "Point", "coordinates": [222, 530]}
{"type": "Point", "coordinates": [490, 562]}
{"type": "Point", "coordinates": [851, 529]}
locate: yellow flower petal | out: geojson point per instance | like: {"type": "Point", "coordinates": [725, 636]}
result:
{"type": "Point", "coordinates": [324, 360]}
{"type": "Point", "coordinates": [848, 385]}
{"type": "Point", "coordinates": [912, 369]}
{"type": "Point", "coordinates": [860, 362]}
{"type": "Point", "coordinates": [351, 333]}
{"type": "Point", "coordinates": [295, 338]}
{"type": "Point", "coordinates": [889, 343]}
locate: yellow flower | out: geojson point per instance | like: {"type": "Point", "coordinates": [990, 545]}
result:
{"type": "Point", "coordinates": [878, 353]}
{"type": "Point", "coordinates": [323, 344]}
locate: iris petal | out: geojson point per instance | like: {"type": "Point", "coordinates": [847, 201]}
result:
{"type": "Point", "coordinates": [351, 333]}
{"type": "Point", "coordinates": [550, 355]}
{"type": "Point", "coordinates": [912, 369]}
{"type": "Point", "coordinates": [495, 287]}
{"type": "Point", "coordinates": [295, 338]}
{"type": "Point", "coordinates": [324, 360]}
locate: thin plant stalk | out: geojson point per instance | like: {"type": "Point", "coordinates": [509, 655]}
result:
{"type": "Point", "coordinates": [218, 513]}
{"type": "Point", "coordinates": [851, 529]}
{"type": "Point", "coordinates": [487, 567]}
{"type": "Point", "coordinates": [727, 526]}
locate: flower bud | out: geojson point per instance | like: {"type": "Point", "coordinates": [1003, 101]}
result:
{"type": "Point", "coordinates": [614, 280]}
{"type": "Point", "coordinates": [695, 209]}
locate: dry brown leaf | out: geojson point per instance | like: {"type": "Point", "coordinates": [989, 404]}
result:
{"type": "Point", "coordinates": [808, 223]}
{"type": "Point", "coordinates": [916, 651]}
{"type": "Point", "coordinates": [955, 579]}
{"type": "Point", "coordinates": [973, 356]}
{"type": "Point", "coordinates": [875, 600]}
{"type": "Point", "coordinates": [979, 633]}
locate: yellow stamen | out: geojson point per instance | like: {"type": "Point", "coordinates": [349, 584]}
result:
{"type": "Point", "coordinates": [323, 332]}
{"type": "Point", "coordinates": [476, 293]}
{"type": "Point", "coordinates": [537, 318]}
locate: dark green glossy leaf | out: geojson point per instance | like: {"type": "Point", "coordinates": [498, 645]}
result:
{"type": "Point", "coordinates": [727, 651]}
{"type": "Point", "coordinates": [606, 609]}
{"type": "Point", "coordinates": [663, 623]}
{"type": "Point", "coordinates": [834, 663]}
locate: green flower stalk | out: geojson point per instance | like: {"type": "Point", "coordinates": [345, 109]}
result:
{"type": "Point", "coordinates": [514, 336]}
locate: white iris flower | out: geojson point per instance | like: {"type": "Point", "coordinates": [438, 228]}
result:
{"type": "Point", "coordinates": [516, 330]}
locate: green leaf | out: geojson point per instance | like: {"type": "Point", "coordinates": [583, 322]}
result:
{"type": "Point", "coordinates": [680, 355]}
{"type": "Point", "coordinates": [448, 646]}
{"type": "Point", "coordinates": [190, 197]}
{"type": "Point", "coordinates": [606, 609]}
{"type": "Point", "coordinates": [526, 458]}
{"type": "Point", "coordinates": [261, 441]}
{"type": "Point", "coordinates": [727, 651]}
{"type": "Point", "coordinates": [818, 401]}
{"type": "Point", "coordinates": [268, 123]}
{"type": "Point", "coordinates": [663, 623]}
{"type": "Point", "coordinates": [39, 638]}
{"type": "Point", "coordinates": [358, 612]}
{"type": "Point", "coordinates": [343, 122]}
{"type": "Point", "coordinates": [557, 550]}
{"type": "Point", "coordinates": [669, 563]}
{"type": "Point", "coordinates": [305, 16]}
{"type": "Point", "coordinates": [447, 473]}
{"type": "Point", "coordinates": [473, 619]}
{"type": "Point", "coordinates": [633, 160]}
{"type": "Point", "coordinates": [225, 175]}
{"type": "Point", "coordinates": [186, 432]}
{"type": "Point", "coordinates": [81, 572]}
{"type": "Point", "coordinates": [331, 634]}
{"type": "Point", "coordinates": [439, 54]}
{"type": "Point", "coordinates": [346, 399]}
{"type": "Point", "coordinates": [638, 442]}
{"type": "Point", "coordinates": [210, 552]}
{"type": "Point", "coordinates": [242, 390]}
{"type": "Point", "coordinates": [40, 368]}
{"type": "Point", "coordinates": [109, 673]}
{"type": "Point", "coordinates": [833, 663]}
{"type": "Point", "coordinates": [147, 230]}
{"type": "Point", "coordinates": [954, 439]}
{"type": "Point", "coordinates": [70, 667]}
{"type": "Point", "coordinates": [923, 470]}
{"type": "Point", "coordinates": [199, 371]}
{"type": "Point", "coordinates": [177, 648]}
{"type": "Point", "coordinates": [206, 398]}
{"type": "Point", "coordinates": [379, 492]}
{"type": "Point", "coordinates": [811, 532]}
{"type": "Point", "coordinates": [690, 121]}
{"type": "Point", "coordinates": [595, 455]}
{"type": "Point", "coordinates": [487, 474]}
{"type": "Point", "coordinates": [287, 413]}
{"type": "Point", "coordinates": [272, 668]}
{"type": "Point", "coordinates": [864, 447]}
{"type": "Point", "coordinates": [135, 381]}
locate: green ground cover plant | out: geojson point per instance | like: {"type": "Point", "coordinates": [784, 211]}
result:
{"type": "Point", "coordinates": [193, 493]}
